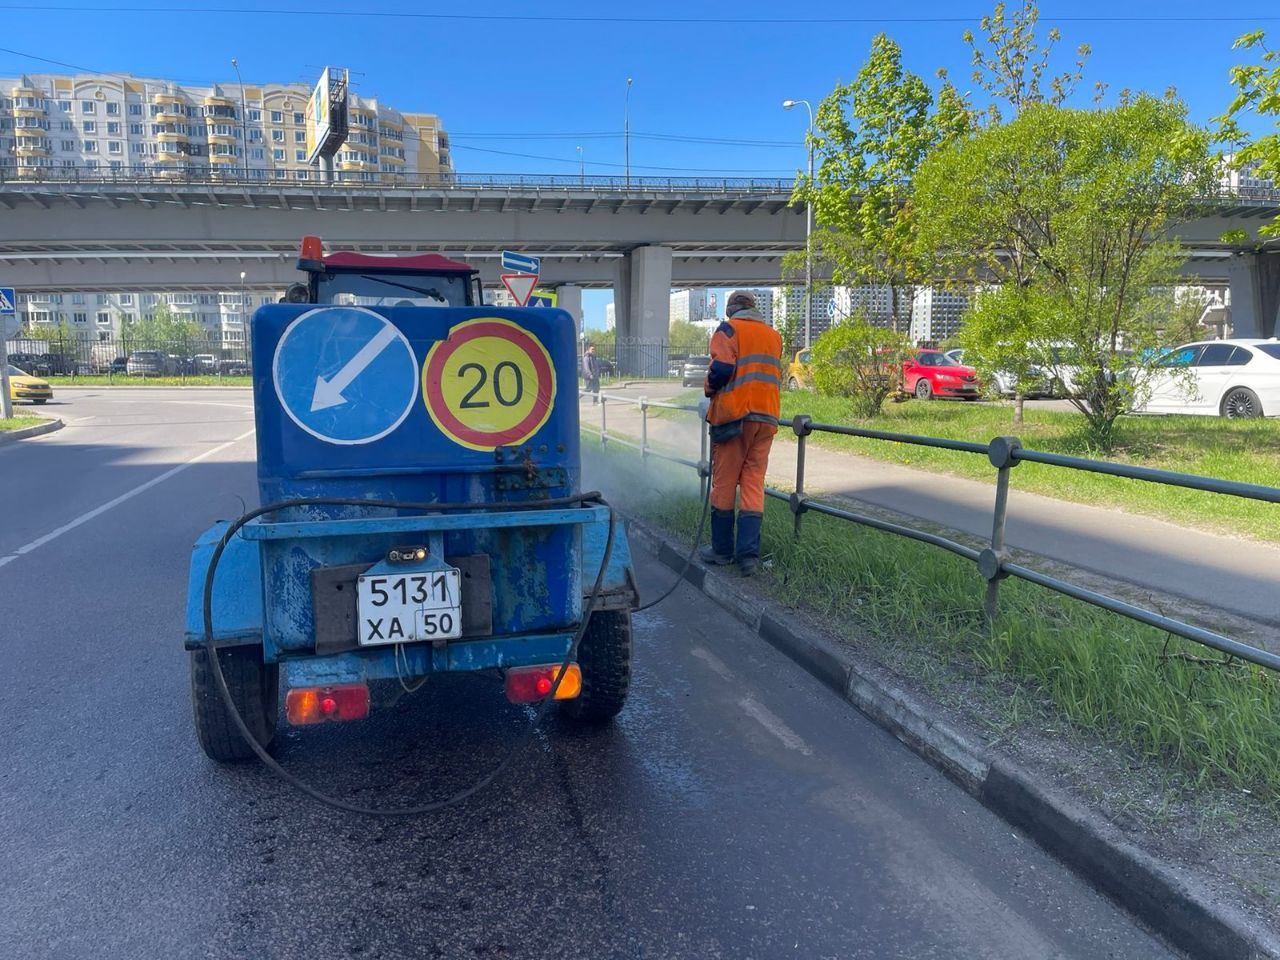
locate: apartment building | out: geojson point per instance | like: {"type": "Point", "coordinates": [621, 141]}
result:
{"type": "Point", "coordinates": [51, 123]}
{"type": "Point", "coordinates": [104, 316]}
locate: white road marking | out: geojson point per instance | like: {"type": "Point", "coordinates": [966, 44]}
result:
{"type": "Point", "coordinates": [98, 511]}
{"type": "Point", "coordinates": [712, 661]}
{"type": "Point", "coordinates": [189, 403]}
{"type": "Point", "coordinates": [4, 560]}
{"type": "Point", "coordinates": [766, 718]}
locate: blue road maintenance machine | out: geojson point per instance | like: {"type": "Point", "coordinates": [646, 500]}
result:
{"type": "Point", "coordinates": [418, 453]}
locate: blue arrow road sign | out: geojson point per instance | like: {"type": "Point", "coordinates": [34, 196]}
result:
{"type": "Point", "coordinates": [345, 374]}
{"type": "Point", "coordinates": [520, 263]}
{"type": "Point", "coordinates": [8, 302]}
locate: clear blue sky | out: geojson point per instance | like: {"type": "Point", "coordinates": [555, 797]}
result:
{"type": "Point", "coordinates": [520, 95]}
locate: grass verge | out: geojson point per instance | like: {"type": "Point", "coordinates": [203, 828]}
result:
{"type": "Point", "coordinates": [102, 380]}
{"type": "Point", "coordinates": [20, 423]}
{"type": "Point", "coordinates": [1244, 450]}
{"type": "Point", "coordinates": [1165, 699]}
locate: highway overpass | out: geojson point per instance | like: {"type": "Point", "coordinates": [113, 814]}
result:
{"type": "Point", "coordinates": [639, 237]}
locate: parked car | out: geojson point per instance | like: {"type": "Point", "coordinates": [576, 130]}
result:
{"type": "Point", "coordinates": [695, 370]}
{"type": "Point", "coordinates": [1225, 378]}
{"type": "Point", "coordinates": [234, 368]}
{"type": "Point", "coordinates": [931, 373]}
{"type": "Point", "coordinates": [23, 386]}
{"type": "Point", "coordinates": [204, 363]}
{"type": "Point", "coordinates": [1042, 383]}
{"type": "Point", "coordinates": [150, 363]}
{"type": "Point", "coordinates": [119, 365]}
{"type": "Point", "coordinates": [798, 371]}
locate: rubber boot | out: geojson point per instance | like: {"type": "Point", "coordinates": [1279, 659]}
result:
{"type": "Point", "coordinates": [720, 550]}
{"type": "Point", "coordinates": [748, 553]}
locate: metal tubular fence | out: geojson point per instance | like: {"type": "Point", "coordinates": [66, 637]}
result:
{"type": "Point", "coordinates": [113, 357]}
{"type": "Point", "coordinates": [1004, 454]}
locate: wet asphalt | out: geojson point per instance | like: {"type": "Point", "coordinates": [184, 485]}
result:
{"type": "Point", "coordinates": [736, 808]}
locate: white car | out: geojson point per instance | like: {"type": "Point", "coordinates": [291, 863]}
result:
{"type": "Point", "coordinates": [1006, 383]}
{"type": "Point", "coordinates": [1227, 378]}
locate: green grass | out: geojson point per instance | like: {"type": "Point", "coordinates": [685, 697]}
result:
{"type": "Point", "coordinates": [102, 380]}
{"type": "Point", "coordinates": [1130, 684]}
{"type": "Point", "coordinates": [1245, 450]}
{"type": "Point", "coordinates": [20, 422]}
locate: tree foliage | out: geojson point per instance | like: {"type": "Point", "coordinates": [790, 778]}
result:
{"type": "Point", "coordinates": [686, 337]}
{"type": "Point", "coordinates": [162, 330]}
{"type": "Point", "coordinates": [870, 137]}
{"type": "Point", "coordinates": [1073, 208]}
{"type": "Point", "coordinates": [860, 362]}
{"type": "Point", "coordinates": [1012, 67]}
{"type": "Point", "coordinates": [1257, 96]}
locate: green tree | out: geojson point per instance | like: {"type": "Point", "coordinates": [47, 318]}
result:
{"type": "Point", "coordinates": [860, 362]}
{"type": "Point", "coordinates": [998, 333]}
{"type": "Point", "coordinates": [1073, 208]}
{"type": "Point", "coordinates": [162, 329]}
{"type": "Point", "coordinates": [1257, 97]}
{"type": "Point", "coordinates": [686, 337]}
{"type": "Point", "coordinates": [870, 137]}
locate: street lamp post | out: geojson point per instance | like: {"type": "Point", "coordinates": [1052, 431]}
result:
{"type": "Point", "coordinates": [582, 168]}
{"type": "Point", "coordinates": [808, 229]}
{"type": "Point", "coordinates": [626, 133]}
{"type": "Point", "coordinates": [244, 121]}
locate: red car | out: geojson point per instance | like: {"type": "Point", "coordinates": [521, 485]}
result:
{"type": "Point", "coordinates": [931, 373]}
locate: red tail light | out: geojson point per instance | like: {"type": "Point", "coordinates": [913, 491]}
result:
{"type": "Point", "coordinates": [532, 684]}
{"type": "Point", "coordinates": [312, 249]}
{"type": "Point", "coordinates": [349, 701]}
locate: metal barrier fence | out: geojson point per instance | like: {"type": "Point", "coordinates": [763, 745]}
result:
{"type": "Point", "coordinates": [129, 356]}
{"type": "Point", "coordinates": [1004, 453]}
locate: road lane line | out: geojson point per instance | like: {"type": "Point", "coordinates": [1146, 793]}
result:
{"type": "Point", "coordinates": [129, 494]}
{"type": "Point", "coordinates": [712, 661]}
{"type": "Point", "coordinates": [4, 560]}
{"type": "Point", "coordinates": [771, 722]}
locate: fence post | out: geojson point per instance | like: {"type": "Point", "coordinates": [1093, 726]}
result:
{"type": "Point", "coordinates": [1002, 452]}
{"type": "Point", "coordinates": [644, 431]}
{"type": "Point", "coordinates": [604, 423]}
{"type": "Point", "coordinates": [802, 427]}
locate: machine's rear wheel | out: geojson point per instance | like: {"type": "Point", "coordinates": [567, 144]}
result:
{"type": "Point", "coordinates": [255, 688]}
{"type": "Point", "coordinates": [605, 658]}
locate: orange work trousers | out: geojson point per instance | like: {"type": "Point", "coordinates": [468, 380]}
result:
{"type": "Point", "coordinates": [741, 463]}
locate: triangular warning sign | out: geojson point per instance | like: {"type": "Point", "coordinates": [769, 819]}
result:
{"type": "Point", "coordinates": [520, 286]}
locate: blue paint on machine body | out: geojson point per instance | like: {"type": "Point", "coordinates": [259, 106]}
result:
{"type": "Point", "coordinates": [409, 405]}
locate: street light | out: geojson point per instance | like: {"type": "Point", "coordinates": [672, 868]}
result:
{"type": "Point", "coordinates": [582, 168]}
{"type": "Point", "coordinates": [808, 228]}
{"type": "Point", "coordinates": [244, 119]}
{"type": "Point", "coordinates": [626, 132]}
{"type": "Point", "coordinates": [242, 303]}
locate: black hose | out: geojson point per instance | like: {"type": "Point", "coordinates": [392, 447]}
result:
{"type": "Point", "coordinates": [688, 561]}
{"type": "Point", "coordinates": [524, 739]}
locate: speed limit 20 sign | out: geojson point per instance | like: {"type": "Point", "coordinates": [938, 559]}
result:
{"type": "Point", "coordinates": [490, 384]}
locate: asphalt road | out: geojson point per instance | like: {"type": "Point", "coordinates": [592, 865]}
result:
{"type": "Point", "coordinates": [736, 809]}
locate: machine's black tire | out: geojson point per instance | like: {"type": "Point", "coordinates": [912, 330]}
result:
{"type": "Point", "coordinates": [924, 389]}
{"type": "Point", "coordinates": [605, 658]}
{"type": "Point", "coordinates": [255, 688]}
{"type": "Point", "coordinates": [1239, 403]}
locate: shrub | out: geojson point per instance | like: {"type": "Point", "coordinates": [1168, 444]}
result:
{"type": "Point", "coordinates": [860, 362]}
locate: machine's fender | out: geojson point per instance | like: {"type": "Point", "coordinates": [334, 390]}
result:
{"type": "Point", "coordinates": [619, 590]}
{"type": "Point", "coordinates": [237, 590]}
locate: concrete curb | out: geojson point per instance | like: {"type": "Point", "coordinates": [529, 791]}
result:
{"type": "Point", "coordinates": [13, 436]}
{"type": "Point", "coordinates": [1162, 896]}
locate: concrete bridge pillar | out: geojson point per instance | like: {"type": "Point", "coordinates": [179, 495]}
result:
{"type": "Point", "coordinates": [569, 299]}
{"type": "Point", "coordinates": [1255, 293]}
{"type": "Point", "coordinates": [649, 316]}
{"type": "Point", "coordinates": [622, 297]}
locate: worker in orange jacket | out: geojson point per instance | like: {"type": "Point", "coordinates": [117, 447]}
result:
{"type": "Point", "coordinates": [742, 381]}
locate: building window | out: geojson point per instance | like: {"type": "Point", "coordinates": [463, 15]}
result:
{"type": "Point", "coordinates": [114, 146]}
{"type": "Point", "coordinates": [66, 126]}
{"type": "Point", "coordinates": [90, 126]}
{"type": "Point", "coordinates": [102, 299]}
{"type": "Point", "coordinates": [300, 156]}
{"type": "Point", "coordinates": [64, 105]}
{"type": "Point", "coordinates": [135, 109]}
{"type": "Point", "coordinates": [136, 130]}
{"type": "Point", "coordinates": [297, 118]}
{"type": "Point", "coordinates": [113, 109]}
{"type": "Point", "coordinates": [79, 318]}
{"type": "Point", "coordinates": [277, 116]}
{"type": "Point", "coordinates": [277, 155]}
{"type": "Point", "coordinates": [88, 106]}
{"type": "Point", "coordinates": [301, 174]}
{"type": "Point", "coordinates": [113, 129]}
{"type": "Point", "coordinates": [90, 146]}
{"type": "Point", "coordinates": [299, 136]}
{"type": "Point", "coordinates": [68, 145]}
{"type": "Point", "coordinates": [115, 164]}
{"type": "Point", "coordinates": [126, 299]}
{"type": "Point", "coordinates": [255, 136]}
{"type": "Point", "coordinates": [255, 115]}
{"type": "Point", "coordinates": [77, 298]}
{"type": "Point", "coordinates": [257, 153]}
{"type": "Point", "coordinates": [277, 136]}
{"type": "Point", "coordinates": [104, 318]}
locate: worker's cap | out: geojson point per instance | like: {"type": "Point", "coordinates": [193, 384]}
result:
{"type": "Point", "coordinates": [739, 300]}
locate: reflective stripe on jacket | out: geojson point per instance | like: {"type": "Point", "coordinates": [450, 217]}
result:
{"type": "Point", "coordinates": [746, 370]}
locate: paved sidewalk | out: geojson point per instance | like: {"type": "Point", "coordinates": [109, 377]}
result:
{"type": "Point", "coordinates": [1218, 572]}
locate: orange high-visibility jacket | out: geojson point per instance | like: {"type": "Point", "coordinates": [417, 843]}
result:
{"type": "Point", "coordinates": [746, 370]}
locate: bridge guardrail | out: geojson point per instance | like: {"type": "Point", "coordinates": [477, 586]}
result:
{"type": "Point", "coordinates": [1004, 453]}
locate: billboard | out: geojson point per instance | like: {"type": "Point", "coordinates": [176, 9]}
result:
{"type": "Point", "coordinates": [327, 115]}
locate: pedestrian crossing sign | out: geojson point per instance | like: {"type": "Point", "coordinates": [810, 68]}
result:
{"type": "Point", "coordinates": [7, 301]}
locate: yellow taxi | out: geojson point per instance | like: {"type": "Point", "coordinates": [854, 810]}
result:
{"type": "Point", "coordinates": [23, 386]}
{"type": "Point", "coordinates": [798, 371]}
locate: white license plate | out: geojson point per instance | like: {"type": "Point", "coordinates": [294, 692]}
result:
{"type": "Point", "coordinates": [409, 607]}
